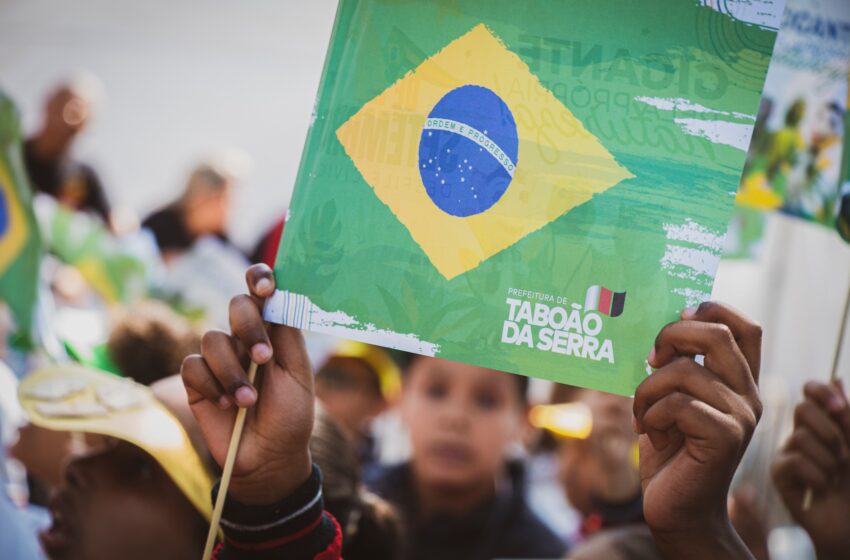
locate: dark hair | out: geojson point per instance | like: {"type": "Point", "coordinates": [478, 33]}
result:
{"type": "Point", "coordinates": [335, 376]}
{"type": "Point", "coordinates": [149, 341]}
{"type": "Point", "coordinates": [407, 359]}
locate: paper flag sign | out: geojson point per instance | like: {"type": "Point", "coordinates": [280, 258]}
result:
{"type": "Point", "coordinates": [533, 187]}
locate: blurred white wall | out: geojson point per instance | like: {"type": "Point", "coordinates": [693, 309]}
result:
{"type": "Point", "coordinates": [182, 78]}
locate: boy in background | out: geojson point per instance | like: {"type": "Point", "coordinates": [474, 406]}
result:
{"type": "Point", "coordinates": [355, 384]}
{"type": "Point", "coordinates": [599, 473]}
{"type": "Point", "coordinates": [459, 495]}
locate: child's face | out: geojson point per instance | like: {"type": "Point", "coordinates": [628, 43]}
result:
{"type": "Point", "coordinates": [461, 419]}
{"type": "Point", "coordinates": [117, 502]}
{"type": "Point", "coordinates": [600, 467]}
{"type": "Point", "coordinates": [352, 398]}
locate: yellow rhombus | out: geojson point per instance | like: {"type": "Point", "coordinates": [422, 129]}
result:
{"type": "Point", "coordinates": [560, 164]}
{"type": "Point", "coordinates": [14, 234]}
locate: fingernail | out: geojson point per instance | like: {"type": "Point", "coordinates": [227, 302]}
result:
{"type": "Point", "coordinates": [689, 312]}
{"type": "Point", "coordinates": [635, 425]}
{"type": "Point", "coordinates": [261, 352]}
{"type": "Point", "coordinates": [223, 402]}
{"type": "Point", "coordinates": [835, 403]}
{"type": "Point", "coordinates": [245, 396]}
{"type": "Point", "coordinates": [264, 285]}
{"type": "Point", "coordinates": [651, 357]}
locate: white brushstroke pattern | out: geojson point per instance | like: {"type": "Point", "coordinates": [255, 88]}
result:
{"type": "Point", "coordinates": [339, 323]}
{"type": "Point", "coordinates": [692, 297]}
{"type": "Point", "coordinates": [686, 105]}
{"type": "Point", "coordinates": [692, 232]}
{"type": "Point", "coordinates": [695, 262]}
{"type": "Point", "coordinates": [736, 135]}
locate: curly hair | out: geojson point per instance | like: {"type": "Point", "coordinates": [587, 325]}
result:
{"type": "Point", "coordinates": [149, 341]}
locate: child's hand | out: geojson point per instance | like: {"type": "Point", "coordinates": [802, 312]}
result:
{"type": "Point", "coordinates": [273, 456]}
{"type": "Point", "coordinates": [817, 456]}
{"type": "Point", "coordinates": [696, 423]}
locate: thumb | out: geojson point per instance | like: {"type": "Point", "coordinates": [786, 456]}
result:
{"type": "Point", "coordinates": [290, 352]}
{"type": "Point", "coordinates": [287, 343]}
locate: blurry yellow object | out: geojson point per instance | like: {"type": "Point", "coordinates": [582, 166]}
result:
{"type": "Point", "coordinates": [93, 270]}
{"type": "Point", "coordinates": [13, 224]}
{"type": "Point", "coordinates": [389, 375]}
{"type": "Point", "coordinates": [73, 398]}
{"type": "Point", "coordinates": [635, 455]}
{"type": "Point", "coordinates": [569, 420]}
{"type": "Point", "coordinates": [755, 193]}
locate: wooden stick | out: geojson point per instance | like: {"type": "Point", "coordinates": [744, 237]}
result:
{"type": "Point", "coordinates": [235, 437]}
{"type": "Point", "coordinates": [809, 496]}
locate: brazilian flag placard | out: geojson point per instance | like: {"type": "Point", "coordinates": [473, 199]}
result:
{"type": "Point", "coordinates": [19, 240]}
{"type": "Point", "coordinates": [536, 187]}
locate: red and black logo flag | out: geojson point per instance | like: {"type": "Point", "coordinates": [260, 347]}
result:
{"type": "Point", "coordinates": [605, 301]}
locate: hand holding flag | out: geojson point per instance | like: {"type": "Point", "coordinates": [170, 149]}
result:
{"type": "Point", "coordinates": [273, 457]}
{"type": "Point", "coordinates": [696, 421]}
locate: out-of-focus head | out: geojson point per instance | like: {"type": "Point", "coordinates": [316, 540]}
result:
{"type": "Point", "coordinates": [370, 528]}
{"type": "Point", "coordinates": [601, 468]}
{"type": "Point", "coordinates": [148, 342]}
{"type": "Point", "coordinates": [462, 420]}
{"type": "Point", "coordinates": [795, 113]}
{"type": "Point", "coordinates": [70, 105]}
{"type": "Point", "coordinates": [207, 199]}
{"type": "Point", "coordinates": [141, 492]}
{"type": "Point", "coordinates": [356, 383]}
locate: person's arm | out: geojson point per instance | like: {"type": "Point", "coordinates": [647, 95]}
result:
{"type": "Point", "coordinates": [295, 527]}
{"type": "Point", "coordinates": [695, 422]}
{"type": "Point", "coordinates": [274, 507]}
{"type": "Point", "coordinates": [816, 456]}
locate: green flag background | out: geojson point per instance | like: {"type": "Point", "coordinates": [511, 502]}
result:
{"type": "Point", "coordinates": [669, 88]}
{"type": "Point", "coordinates": [20, 246]}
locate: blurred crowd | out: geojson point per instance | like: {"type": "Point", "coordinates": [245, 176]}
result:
{"type": "Point", "coordinates": [107, 457]}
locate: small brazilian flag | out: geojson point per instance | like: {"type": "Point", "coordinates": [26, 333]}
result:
{"type": "Point", "coordinates": [20, 245]}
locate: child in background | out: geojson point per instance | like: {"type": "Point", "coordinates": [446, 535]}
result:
{"type": "Point", "coordinates": [357, 383]}
{"type": "Point", "coordinates": [140, 490]}
{"type": "Point", "coordinates": [600, 473]}
{"type": "Point", "coordinates": [146, 343]}
{"type": "Point", "coordinates": [459, 494]}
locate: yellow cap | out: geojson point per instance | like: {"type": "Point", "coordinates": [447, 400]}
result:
{"type": "Point", "coordinates": [570, 420]}
{"type": "Point", "coordinates": [74, 398]}
{"type": "Point", "coordinates": [389, 375]}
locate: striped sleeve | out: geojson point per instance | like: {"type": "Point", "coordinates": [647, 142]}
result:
{"type": "Point", "coordinates": [295, 528]}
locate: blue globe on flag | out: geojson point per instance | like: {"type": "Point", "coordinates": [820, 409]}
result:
{"type": "Point", "coordinates": [468, 151]}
